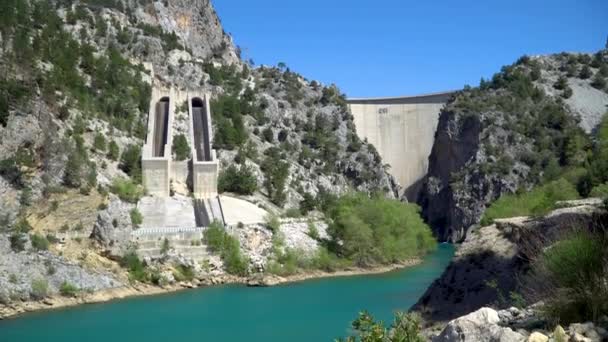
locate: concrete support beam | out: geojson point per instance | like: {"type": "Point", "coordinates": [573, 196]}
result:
{"type": "Point", "coordinates": [205, 165]}
{"type": "Point", "coordinates": [156, 154]}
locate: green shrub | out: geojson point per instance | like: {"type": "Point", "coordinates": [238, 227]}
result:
{"type": "Point", "coordinates": [130, 162]}
{"type": "Point", "coordinates": [537, 202]}
{"type": "Point", "coordinates": [181, 149]}
{"type": "Point", "coordinates": [183, 273]}
{"type": "Point", "coordinates": [137, 268]}
{"type": "Point", "coordinates": [99, 143]}
{"type": "Point", "coordinates": [585, 73]}
{"type": "Point", "coordinates": [136, 217]}
{"type": "Point", "coordinates": [288, 262]}
{"type": "Point", "coordinates": [18, 241]}
{"type": "Point", "coordinates": [268, 134]}
{"type": "Point", "coordinates": [166, 246]}
{"type": "Point", "coordinates": [219, 241]}
{"type": "Point", "coordinates": [52, 239]}
{"type": "Point", "coordinates": [73, 176]}
{"type": "Point", "coordinates": [230, 131]}
{"type": "Point", "coordinates": [127, 190]}
{"type": "Point", "coordinates": [599, 82]}
{"type": "Point", "coordinates": [276, 171]}
{"type": "Point", "coordinates": [39, 242]}
{"type": "Point", "coordinates": [238, 180]}
{"type": "Point", "coordinates": [307, 204]}
{"type": "Point", "coordinates": [273, 223]}
{"type": "Point", "coordinates": [376, 230]}
{"type": "Point", "coordinates": [68, 290]}
{"type": "Point", "coordinates": [405, 328]}
{"type": "Point", "coordinates": [574, 269]}
{"type": "Point", "coordinates": [327, 261]}
{"type": "Point", "coordinates": [113, 151]}
{"type": "Point", "coordinates": [40, 288]}
{"type": "Point", "coordinates": [293, 213]}
{"type": "Point", "coordinates": [561, 83]}
{"type": "Point", "coordinates": [599, 191]}
{"type": "Point", "coordinates": [313, 232]}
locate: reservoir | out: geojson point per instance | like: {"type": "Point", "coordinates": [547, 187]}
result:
{"type": "Point", "coordinates": [315, 310]}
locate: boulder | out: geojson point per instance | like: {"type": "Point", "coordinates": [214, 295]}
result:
{"type": "Point", "coordinates": [559, 335]}
{"type": "Point", "coordinates": [537, 337]}
{"type": "Point", "coordinates": [113, 227]}
{"type": "Point", "coordinates": [481, 325]}
{"type": "Point", "coordinates": [587, 332]}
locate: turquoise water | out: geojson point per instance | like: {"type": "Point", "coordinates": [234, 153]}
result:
{"type": "Point", "coordinates": [317, 310]}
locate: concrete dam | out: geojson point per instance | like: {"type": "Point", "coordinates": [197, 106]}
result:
{"type": "Point", "coordinates": [403, 131]}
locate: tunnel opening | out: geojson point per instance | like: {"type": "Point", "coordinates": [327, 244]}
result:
{"type": "Point", "coordinates": [161, 127]}
{"type": "Point", "coordinates": [202, 141]}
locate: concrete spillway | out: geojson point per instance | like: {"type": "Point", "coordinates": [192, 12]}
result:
{"type": "Point", "coordinates": [201, 214]}
{"type": "Point", "coordinates": [202, 141]}
{"type": "Point", "coordinates": [403, 131]}
{"type": "Point", "coordinates": [161, 127]}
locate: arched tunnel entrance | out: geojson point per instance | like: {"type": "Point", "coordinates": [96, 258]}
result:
{"type": "Point", "coordinates": [202, 140]}
{"type": "Point", "coordinates": [161, 127]}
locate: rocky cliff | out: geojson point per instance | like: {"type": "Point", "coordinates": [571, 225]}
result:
{"type": "Point", "coordinates": [491, 265]}
{"type": "Point", "coordinates": [514, 131]}
{"type": "Point", "coordinates": [74, 96]}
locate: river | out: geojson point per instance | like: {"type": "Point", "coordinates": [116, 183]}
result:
{"type": "Point", "coordinates": [315, 310]}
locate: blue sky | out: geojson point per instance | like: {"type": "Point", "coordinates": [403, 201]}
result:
{"type": "Point", "coordinates": [402, 47]}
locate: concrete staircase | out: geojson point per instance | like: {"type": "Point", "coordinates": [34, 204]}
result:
{"type": "Point", "coordinates": [186, 241]}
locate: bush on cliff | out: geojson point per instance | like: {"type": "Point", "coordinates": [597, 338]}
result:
{"type": "Point", "coordinates": [597, 171]}
{"type": "Point", "coordinates": [574, 277]}
{"type": "Point", "coordinates": [130, 162]}
{"type": "Point", "coordinates": [127, 190]}
{"type": "Point", "coordinates": [536, 202]}
{"type": "Point", "coordinates": [137, 268]}
{"type": "Point", "coordinates": [240, 180]}
{"type": "Point", "coordinates": [377, 230]}
{"type": "Point", "coordinates": [219, 241]}
{"type": "Point", "coordinates": [181, 148]}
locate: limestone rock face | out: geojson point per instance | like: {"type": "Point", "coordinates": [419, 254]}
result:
{"type": "Point", "coordinates": [481, 325]}
{"type": "Point", "coordinates": [197, 24]}
{"type": "Point", "coordinates": [113, 227]}
{"type": "Point", "coordinates": [483, 148]}
{"type": "Point", "coordinates": [19, 271]}
{"type": "Point", "coordinates": [491, 260]}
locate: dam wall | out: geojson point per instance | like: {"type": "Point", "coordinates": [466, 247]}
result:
{"type": "Point", "coordinates": [403, 131]}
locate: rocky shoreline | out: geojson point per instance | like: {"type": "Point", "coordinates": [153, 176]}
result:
{"type": "Point", "coordinates": [16, 309]}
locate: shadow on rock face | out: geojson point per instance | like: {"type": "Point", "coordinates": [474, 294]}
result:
{"type": "Point", "coordinates": [468, 284]}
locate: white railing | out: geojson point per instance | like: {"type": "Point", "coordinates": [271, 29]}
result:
{"type": "Point", "coordinates": [166, 231]}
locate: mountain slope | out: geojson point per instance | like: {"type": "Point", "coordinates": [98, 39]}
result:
{"type": "Point", "coordinates": [528, 125]}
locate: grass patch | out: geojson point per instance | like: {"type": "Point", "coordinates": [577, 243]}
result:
{"type": "Point", "coordinates": [137, 268]}
{"type": "Point", "coordinates": [573, 270]}
{"type": "Point", "coordinates": [183, 273]}
{"type": "Point", "coordinates": [136, 217]}
{"type": "Point", "coordinates": [39, 242]}
{"type": "Point", "coordinates": [127, 190]}
{"type": "Point", "coordinates": [537, 202]}
{"type": "Point", "coordinates": [68, 290]}
{"type": "Point", "coordinates": [40, 288]}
